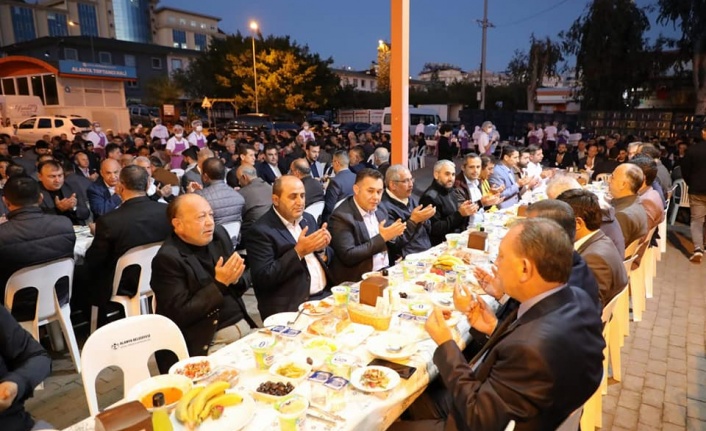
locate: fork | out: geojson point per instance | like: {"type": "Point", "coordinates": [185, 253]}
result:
{"type": "Point", "coordinates": [296, 318]}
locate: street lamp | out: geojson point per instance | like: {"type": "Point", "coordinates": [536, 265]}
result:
{"type": "Point", "coordinates": [254, 27]}
{"type": "Point", "coordinates": [93, 51]}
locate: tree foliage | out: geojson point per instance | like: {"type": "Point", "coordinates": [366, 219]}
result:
{"type": "Point", "coordinates": [162, 90]}
{"type": "Point", "coordinates": [290, 78]}
{"type": "Point", "coordinates": [612, 61]}
{"type": "Point", "coordinates": [436, 67]}
{"type": "Point", "coordinates": [690, 17]}
{"type": "Point", "coordinates": [531, 69]}
{"type": "Point", "coordinates": [383, 68]}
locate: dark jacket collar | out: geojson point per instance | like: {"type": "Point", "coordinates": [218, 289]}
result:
{"type": "Point", "coordinates": [440, 188]}
{"type": "Point", "coordinates": [25, 212]}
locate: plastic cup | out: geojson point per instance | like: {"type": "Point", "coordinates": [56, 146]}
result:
{"type": "Point", "coordinates": [452, 240]}
{"type": "Point", "coordinates": [340, 294]}
{"type": "Point", "coordinates": [262, 349]}
{"type": "Point", "coordinates": [341, 364]}
{"type": "Point", "coordinates": [409, 269]}
{"type": "Point", "coordinates": [291, 413]}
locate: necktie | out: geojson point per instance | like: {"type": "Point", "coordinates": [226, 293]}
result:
{"type": "Point", "coordinates": [499, 331]}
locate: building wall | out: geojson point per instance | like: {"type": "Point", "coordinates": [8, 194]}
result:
{"type": "Point", "coordinates": [168, 20]}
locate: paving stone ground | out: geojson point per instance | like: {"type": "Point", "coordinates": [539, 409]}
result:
{"type": "Point", "coordinates": [663, 361]}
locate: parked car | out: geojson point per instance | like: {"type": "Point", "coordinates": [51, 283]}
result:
{"type": "Point", "coordinates": [31, 130]}
{"type": "Point", "coordinates": [281, 126]}
{"type": "Point", "coordinates": [354, 127]}
{"type": "Point", "coordinates": [250, 123]}
{"type": "Point", "coordinates": [142, 114]}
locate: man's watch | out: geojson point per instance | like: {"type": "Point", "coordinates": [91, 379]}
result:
{"type": "Point", "coordinates": [74, 208]}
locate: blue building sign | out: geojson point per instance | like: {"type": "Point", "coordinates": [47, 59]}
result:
{"type": "Point", "coordinates": [97, 70]}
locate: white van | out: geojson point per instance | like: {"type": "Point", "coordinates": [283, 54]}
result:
{"type": "Point", "coordinates": [430, 117]}
{"type": "Point", "coordinates": [14, 109]}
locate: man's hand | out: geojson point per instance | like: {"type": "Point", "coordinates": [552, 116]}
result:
{"type": "Point", "coordinates": [534, 182]}
{"type": "Point", "coordinates": [421, 214]}
{"type": "Point", "coordinates": [490, 200]}
{"type": "Point", "coordinates": [547, 173]}
{"type": "Point", "coordinates": [463, 298]}
{"type": "Point", "coordinates": [165, 191]}
{"type": "Point", "coordinates": [230, 271]}
{"type": "Point", "coordinates": [481, 317]}
{"type": "Point", "coordinates": [392, 231]}
{"type": "Point", "coordinates": [310, 243]}
{"type": "Point", "coordinates": [8, 393]}
{"type": "Point", "coordinates": [467, 209]}
{"type": "Point", "coordinates": [437, 328]}
{"type": "Point", "coordinates": [94, 176]}
{"type": "Point", "coordinates": [66, 204]}
{"type": "Point", "coordinates": [524, 181]}
{"type": "Point", "coordinates": [193, 186]}
{"type": "Point", "coordinates": [489, 282]}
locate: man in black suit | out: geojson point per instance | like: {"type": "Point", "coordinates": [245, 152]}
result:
{"type": "Point", "coordinates": [340, 186]}
{"type": "Point", "coordinates": [521, 374]}
{"type": "Point", "coordinates": [192, 179]}
{"type": "Point", "coordinates": [138, 221]}
{"type": "Point", "coordinates": [196, 279]}
{"type": "Point", "coordinates": [58, 197]}
{"type": "Point", "coordinates": [83, 166]}
{"type": "Point", "coordinates": [606, 165]}
{"type": "Point", "coordinates": [562, 159]}
{"type": "Point", "coordinates": [101, 194]}
{"type": "Point", "coordinates": [599, 252]}
{"type": "Point", "coordinates": [301, 169]}
{"type": "Point", "coordinates": [272, 168]}
{"type": "Point", "coordinates": [381, 159]}
{"type": "Point", "coordinates": [358, 231]}
{"type": "Point", "coordinates": [287, 251]}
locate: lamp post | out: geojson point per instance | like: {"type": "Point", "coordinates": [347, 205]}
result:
{"type": "Point", "coordinates": [93, 51]}
{"type": "Point", "coordinates": [254, 27]}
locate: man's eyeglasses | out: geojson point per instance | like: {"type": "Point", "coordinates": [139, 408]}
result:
{"type": "Point", "coordinates": [407, 181]}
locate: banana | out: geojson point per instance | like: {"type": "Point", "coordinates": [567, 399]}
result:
{"type": "Point", "coordinates": [182, 407]}
{"type": "Point", "coordinates": [225, 400]}
{"type": "Point", "coordinates": [212, 390]}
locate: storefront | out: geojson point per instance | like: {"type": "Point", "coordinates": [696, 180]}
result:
{"type": "Point", "coordinates": [94, 91]}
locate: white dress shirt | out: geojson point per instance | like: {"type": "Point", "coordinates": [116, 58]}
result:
{"type": "Point", "coordinates": [275, 170]}
{"type": "Point", "coordinates": [475, 196]}
{"type": "Point", "coordinates": [583, 240]}
{"type": "Point", "coordinates": [316, 272]}
{"type": "Point", "coordinates": [380, 260]}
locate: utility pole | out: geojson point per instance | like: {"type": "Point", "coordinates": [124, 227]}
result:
{"type": "Point", "coordinates": [484, 25]}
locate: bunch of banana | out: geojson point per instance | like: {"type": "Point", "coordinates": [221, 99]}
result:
{"type": "Point", "coordinates": [446, 262]}
{"type": "Point", "coordinates": [201, 402]}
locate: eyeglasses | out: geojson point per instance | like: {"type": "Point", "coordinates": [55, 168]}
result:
{"type": "Point", "coordinates": [407, 181]}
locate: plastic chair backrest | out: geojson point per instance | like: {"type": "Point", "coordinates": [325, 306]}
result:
{"type": "Point", "coordinates": [371, 159]}
{"type": "Point", "coordinates": [315, 209]}
{"type": "Point", "coordinates": [339, 203]}
{"type": "Point", "coordinates": [631, 250]}
{"type": "Point", "coordinates": [128, 344]}
{"type": "Point", "coordinates": [178, 172]}
{"type": "Point", "coordinates": [414, 152]}
{"type": "Point", "coordinates": [422, 153]}
{"type": "Point", "coordinates": [142, 256]}
{"type": "Point", "coordinates": [682, 198]}
{"type": "Point", "coordinates": [43, 277]}
{"type": "Point", "coordinates": [608, 308]}
{"type": "Point", "coordinates": [510, 426]}
{"type": "Point", "coordinates": [572, 422]}
{"type": "Point", "coordinates": [628, 263]}
{"type": "Point", "coordinates": [233, 229]}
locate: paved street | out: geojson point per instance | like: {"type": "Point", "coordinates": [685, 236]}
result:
{"type": "Point", "coordinates": [663, 360]}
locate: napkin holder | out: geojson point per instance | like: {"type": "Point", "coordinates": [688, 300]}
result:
{"type": "Point", "coordinates": [132, 416]}
{"type": "Point", "coordinates": [477, 240]}
{"type": "Point", "coordinates": [371, 289]}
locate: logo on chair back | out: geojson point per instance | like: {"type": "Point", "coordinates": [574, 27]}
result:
{"type": "Point", "coordinates": [130, 341]}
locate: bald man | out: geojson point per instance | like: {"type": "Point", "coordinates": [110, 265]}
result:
{"type": "Point", "coordinates": [101, 195]}
{"type": "Point", "coordinates": [196, 279]}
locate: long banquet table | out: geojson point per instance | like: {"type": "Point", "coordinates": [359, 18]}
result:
{"type": "Point", "coordinates": [362, 411]}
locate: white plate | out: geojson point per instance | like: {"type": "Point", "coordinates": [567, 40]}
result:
{"type": "Point", "coordinates": [181, 364]}
{"type": "Point", "coordinates": [283, 318]}
{"type": "Point", "coordinates": [371, 274]}
{"type": "Point", "coordinates": [394, 379]}
{"type": "Point", "coordinates": [378, 346]}
{"type": "Point", "coordinates": [326, 310]}
{"type": "Point", "coordinates": [234, 417]}
{"type": "Point", "coordinates": [162, 381]}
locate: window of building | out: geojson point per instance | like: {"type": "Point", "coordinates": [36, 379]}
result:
{"type": "Point", "coordinates": [87, 19]}
{"type": "Point", "coordinates": [182, 21]}
{"type": "Point", "coordinates": [355, 82]}
{"type": "Point", "coordinates": [177, 64]}
{"type": "Point", "coordinates": [362, 83]}
{"type": "Point", "coordinates": [57, 24]}
{"type": "Point", "coordinates": [8, 86]}
{"type": "Point", "coordinates": [171, 20]}
{"type": "Point", "coordinates": [130, 60]}
{"type": "Point", "coordinates": [193, 23]}
{"type": "Point", "coordinates": [51, 95]}
{"type": "Point", "coordinates": [23, 86]}
{"type": "Point", "coordinates": [179, 37]}
{"type": "Point", "coordinates": [201, 41]}
{"type": "Point", "coordinates": [44, 123]}
{"type": "Point", "coordinates": [131, 84]}
{"type": "Point", "coordinates": [105, 58]}
{"type": "Point", "coordinates": [70, 54]}
{"type": "Point", "coordinates": [204, 25]}
{"type": "Point", "coordinates": [156, 63]}
{"type": "Point", "coordinates": [23, 24]}
{"type": "Point", "coordinates": [37, 88]}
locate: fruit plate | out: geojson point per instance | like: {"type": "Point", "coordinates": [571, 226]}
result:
{"type": "Point", "coordinates": [359, 375]}
{"type": "Point", "coordinates": [316, 308]}
{"type": "Point", "coordinates": [196, 368]}
{"type": "Point", "coordinates": [233, 418]}
{"type": "Point", "coordinates": [380, 346]}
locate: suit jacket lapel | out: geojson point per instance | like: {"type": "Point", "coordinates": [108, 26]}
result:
{"type": "Point", "coordinates": [504, 328]}
{"type": "Point", "coordinates": [281, 228]}
{"type": "Point", "coordinates": [596, 236]}
{"type": "Point", "coordinates": [364, 237]}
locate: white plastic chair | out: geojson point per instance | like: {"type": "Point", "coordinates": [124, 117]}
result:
{"type": "Point", "coordinates": [315, 209]}
{"type": "Point", "coordinates": [142, 256]}
{"type": "Point", "coordinates": [604, 177]}
{"type": "Point", "coordinates": [413, 160]}
{"type": "Point", "coordinates": [43, 277]}
{"type": "Point", "coordinates": [176, 190]}
{"type": "Point", "coordinates": [233, 229]}
{"type": "Point", "coordinates": [371, 159]}
{"type": "Point", "coordinates": [510, 426]}
{"type": "Point", "coordinates": [681, 199]}
{"type": "Point", "coordinates": [178, 172]}
{"type": "Point", "coordinates": [572, 422]}
{"type": "Point", "coordinates": [128, 344]}
{"type": "Point", "coordinates": [639, 279]}
{"type": "Point", "coordinates": [422, 156]}
{"type": "Point", "coordinates": [338, 204]}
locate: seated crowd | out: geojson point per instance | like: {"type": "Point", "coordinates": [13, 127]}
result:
{"type": "Point", "coordinates": [555, 271]}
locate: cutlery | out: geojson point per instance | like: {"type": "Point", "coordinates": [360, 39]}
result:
{"type": "Point", "coordinates": [326, 413]}
{"type": "Point", "coordinates": [296, 318]}
{"type": "Point", "coordinates": [322, 419]}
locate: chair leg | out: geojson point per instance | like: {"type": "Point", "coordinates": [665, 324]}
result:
{"type": "Point", "coordinates": [94, 318]}
{"type": "Point", "coordinates": [673, 217]}
{"type": "Point", "coordinates": [637, 292]}
{"type": "Point", "coordinates": [64, 316]}
{"type": "Point", "coordinates": [55, 337]}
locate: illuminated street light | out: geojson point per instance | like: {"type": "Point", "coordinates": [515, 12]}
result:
{"type": "Point", "coordinates": [93, 51]}
{"type": "Point", "coordinates": [254, 27]}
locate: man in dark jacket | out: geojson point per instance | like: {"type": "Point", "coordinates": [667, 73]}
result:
{"type": "Point", "coordinates": [138, 221]}
{"type": "Point", "coordinates": [226, 204]}
{"type": "Point", "coordinates": [340, 186]}
{"type": "Point", "coordinates": [196, 279]}
{"type": "Point", "coordinates": [23, 365]}
{"type": "Point", "coordinates": [451, 216]}
{"type": "Point", "coordinates": [397, 199]}
{"type": "Point", "coordinates": [693, 168]}
{"type": "Point", "coordinates": [101, 194]}
{"type": "Point", "coordinates": [59, 198]}
{"type": "Point", "coordinates": [30, 237]}
{"type": "Point", "coordinates": [301, 169]}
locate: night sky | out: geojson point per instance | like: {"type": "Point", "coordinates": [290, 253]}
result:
{"type": "Point", "coordinates": [441, 30]}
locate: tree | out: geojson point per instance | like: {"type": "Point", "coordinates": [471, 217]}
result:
{"type": "Point", "coordinates": [163, 90]}
{"type": "Point", "coordinates": [611, 59]}
{"type": "Point", "coordinates": [690, 16]}
{"type": "Point", "coordinates": [383, 69]}
{"type": "Point", "coordinates": [531, 69]}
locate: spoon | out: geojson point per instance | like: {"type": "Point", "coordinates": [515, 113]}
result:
{"type": "Point", "coordinates": [296, 318]}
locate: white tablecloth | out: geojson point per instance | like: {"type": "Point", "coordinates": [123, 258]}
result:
{"type": "Point", "coordinates": [84, 239]}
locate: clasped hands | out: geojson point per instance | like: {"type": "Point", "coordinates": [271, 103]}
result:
{"type": "Point", "coordinates": [318, 240]}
